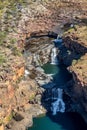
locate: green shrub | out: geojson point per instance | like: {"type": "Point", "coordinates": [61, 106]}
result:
{"type": "Point", "coordinates": [74, 62]}
{"type": "Point", "coordinates": [13, 40]}
{"type": "Point", "coordinates": [2, 59]}
{"type": "Point", "coordinates": [3, 35]}
{"type": "Point", "coordinates": [16, 51]}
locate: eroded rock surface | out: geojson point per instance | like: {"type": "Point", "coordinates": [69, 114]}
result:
{"type": "Point", "coordinates": [18, 21]}
{"type": "Point", "coordinates": [74, 55]}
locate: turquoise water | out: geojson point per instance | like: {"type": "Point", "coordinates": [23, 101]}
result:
{"type": "Point", "coordinates": [45, 123]}
{"type": "Point", "coordinates": [50, 68]}
{"type": "Point", "coordinates": [60, 73]}
{"type": "Point", "coordinates": [62, 121]}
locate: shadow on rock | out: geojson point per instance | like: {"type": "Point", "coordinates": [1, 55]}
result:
{"type": "Point", "coordinates": [71, 50]}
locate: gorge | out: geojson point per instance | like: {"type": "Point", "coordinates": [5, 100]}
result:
{"type": "Point", "coordinates": [34, 72]}
{"type": "Point", "coordinates": [52, 100]}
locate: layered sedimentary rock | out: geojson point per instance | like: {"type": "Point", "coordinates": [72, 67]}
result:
{"type": "Point", "coordinates": [75, 57]}
{"type": "Point", "coordinates": [20, 21]}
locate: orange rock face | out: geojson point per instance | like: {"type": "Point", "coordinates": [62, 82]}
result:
{"type": "Point", "coordinates": [42, 17]}
{"type": "Point", "coordinates": [2, 127]}
{"type": "Point", "coordinates": [18, 73]}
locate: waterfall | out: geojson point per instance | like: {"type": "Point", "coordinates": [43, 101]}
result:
{"type": "Point", "coordinates": [58, 105]}
{"type": "Point", "coordinates": [26, 73]}
{"type": "Point", "coordinates": [54, 59]}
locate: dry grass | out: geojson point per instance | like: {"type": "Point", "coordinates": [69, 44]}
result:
{"type": "Point", "coordinates": [82, 33]}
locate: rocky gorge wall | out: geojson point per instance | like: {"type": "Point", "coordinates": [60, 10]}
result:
{"type": "Point", "coordinates": [18, 22]}
{"type": "Point", "coordinates": [73, 53]}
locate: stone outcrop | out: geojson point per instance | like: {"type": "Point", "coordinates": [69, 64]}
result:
{"type": "Point", "coordinates": [17, 24]}
{"type": "Point", "coordinates": [74, 54]}
{"type": "Point", "coordinates": [79, 89]}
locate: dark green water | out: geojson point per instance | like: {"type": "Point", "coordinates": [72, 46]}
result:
{"type": "Point", "coordinates": [66, 121]}
{"type": "Point", "coordinates": [60, 73]}
{"type": "Point", "coordinates": [62, 121]}
{"type": "Point", "coordinates": [45, 123]}
{"type": "Point", "coordinates": [51, 69]}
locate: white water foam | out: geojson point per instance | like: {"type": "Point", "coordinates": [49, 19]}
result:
{"type": "Point", "coordinates": [54, 59]}
{"type": "Point", "coordinates": [58, 105]}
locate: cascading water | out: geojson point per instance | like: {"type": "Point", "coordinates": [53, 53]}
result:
{"type": "Point", "coordinates": [53, 97]}
{"type": "Point", "coordinates": [58, 105]}
{"type": "Point", "coordinates": [54, 59]}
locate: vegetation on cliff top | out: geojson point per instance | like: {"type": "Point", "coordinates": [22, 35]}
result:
{"type": "Point", "coordinates": [10, 54]}
{"type": "Point", "coordinates": [80, 32]}
{"type": "Point", "coordinates": [5, 3]}
{"type": "Point", "coordinates": [80, 69]}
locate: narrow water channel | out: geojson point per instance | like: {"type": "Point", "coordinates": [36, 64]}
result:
{"type": "Point", "coordinates": [59, 73]}
{"type": "Point", "coordinates": [65, 121]}
{"type": "Point", "coordinates": [60, 121]}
